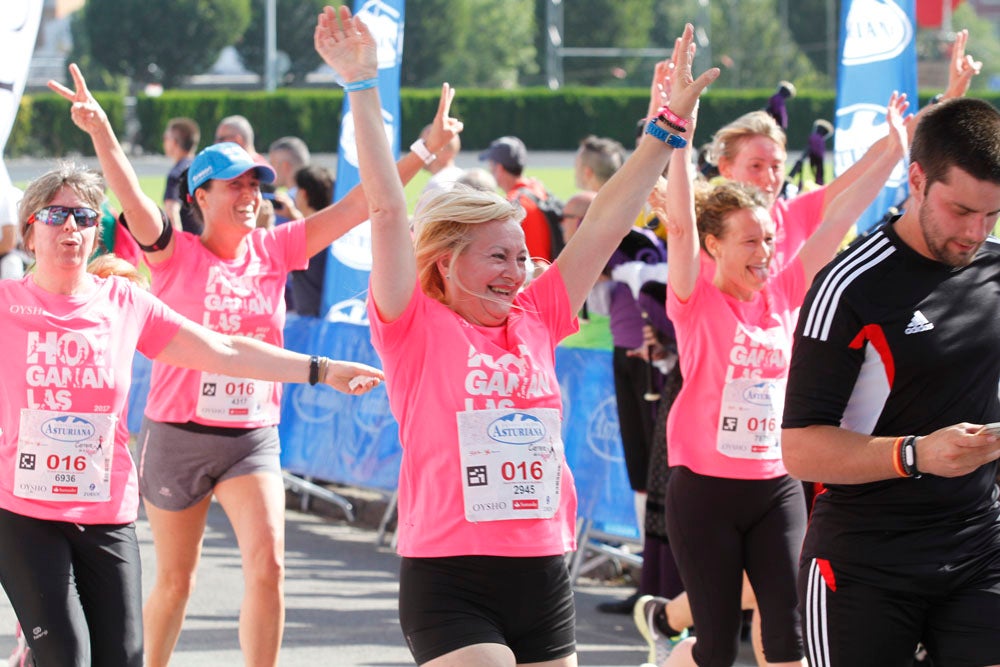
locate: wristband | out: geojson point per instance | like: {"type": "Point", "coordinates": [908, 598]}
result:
{"type": "Point", "coordinates": [363, 84]}
{"type": "Point", "coordinates": [897, 457]}
{"type": "Point", "coordinates": [672, 118]}
{"type": "Point", "coordinates": [420, 148]}
{"type": "Point", "coordinates": [908, 456]}
{"type": "Point", "coordinates": [313, 370]}
{"type": "Point", "coordinates": [671, 140]}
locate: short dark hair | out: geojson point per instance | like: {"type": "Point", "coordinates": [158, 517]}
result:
{"type": "Point", "coordinates": [317, 183]}
{"type": "Point", "coordinates": [604, 156]}
{"type": "Point", "coordinates": [185, 132]}
{"type": "Point", "coordinates": [963, 133]}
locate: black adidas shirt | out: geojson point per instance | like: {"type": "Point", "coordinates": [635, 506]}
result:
{"type": "Point", "coordinates": [890, 343]}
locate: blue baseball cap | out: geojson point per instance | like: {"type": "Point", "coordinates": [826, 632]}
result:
{"type": "Point", "coordinates": [224, 161]}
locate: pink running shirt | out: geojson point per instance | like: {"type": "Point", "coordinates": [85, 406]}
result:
{"type": "Point", "coordinates": [795, 220]}
{"type": "Point", "coordinates": [245, 296]}
{"type": "Point", "coordinates": [69, 358]}
{"type": "Point", "coordinates": [437, 364]}
{"type": "Point", "coordinates": [720, 338]}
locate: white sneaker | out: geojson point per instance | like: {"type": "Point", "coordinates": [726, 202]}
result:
{"type": "Point", "coordinates": [660, 645]}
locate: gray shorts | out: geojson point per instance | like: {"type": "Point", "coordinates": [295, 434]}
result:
{"type": "Point", "coordinates": [179, 467]}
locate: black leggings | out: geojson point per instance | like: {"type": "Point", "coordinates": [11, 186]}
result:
{"type": "Point", "coordinates": [635, 414]}
{"type": "Point", "coordinates": [720, 527]}
{"type": "Point", "coordinates": [76, 590]}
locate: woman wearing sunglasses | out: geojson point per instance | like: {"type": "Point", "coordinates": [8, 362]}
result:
{"type": "Point", "coordinates": [69, 558]}
{"type": "Point", "coordinates": [195, 446]}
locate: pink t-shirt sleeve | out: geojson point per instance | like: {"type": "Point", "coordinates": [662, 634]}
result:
{"type": "Point", "coordinates": [795, 221]}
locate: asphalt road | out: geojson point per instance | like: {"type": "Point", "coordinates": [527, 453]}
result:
{"type": "Point", "coordinates": [341, 602]}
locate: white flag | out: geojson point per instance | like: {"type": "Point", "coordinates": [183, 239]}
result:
{"type": "Point", "coordinates": [18, 29]}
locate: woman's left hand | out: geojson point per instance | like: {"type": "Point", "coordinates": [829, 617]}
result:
{"type": "Point", "coordinates": [899, 123]}
{"type": "Point", "coordinates": [353, 378]}
{"type": "Point", "coordinates": [444, 127]}
{"type": "Point", "coordinates": [86, 113]}
{"type": "Point", "coordinates": [962, 67]}
{"type": "Point", "coordinates": [347, 46]}
{"type": "Point", "coordinates": [684, 88]}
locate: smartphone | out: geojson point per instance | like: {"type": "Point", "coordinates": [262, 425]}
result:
{"type": "Point", "coordinates": [992, 429]}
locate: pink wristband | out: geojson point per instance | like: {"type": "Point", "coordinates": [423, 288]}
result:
{"type": "Point", "coordinates": [670, 116]}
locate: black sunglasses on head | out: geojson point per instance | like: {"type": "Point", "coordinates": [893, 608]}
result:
{"type": "Point", "coordinates": [56, 215]}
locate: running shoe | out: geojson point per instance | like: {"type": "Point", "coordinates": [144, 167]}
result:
{"type": "Point", "coordinates": [660, 645]}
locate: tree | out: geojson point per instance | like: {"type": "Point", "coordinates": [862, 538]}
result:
{"type": "Point", "coordinates": [164, 41]}
{"type": "Point", "coordinates": [296, 20]}
{"type": "Point", "coordinates": [430, 36]}
{"type": "Point", "coordinates": [809, 24]}
{"type": "Point", "coordinates": [748, 42]}
{"type": "Point", "coordinates": [482, 43]}
{"type": "Point", "coordinates": [608, 23]}
{"type": "Point", "coordinates": [983, 45]}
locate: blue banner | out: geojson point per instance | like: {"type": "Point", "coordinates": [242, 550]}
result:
{"type": "Point", "coordinates": [350, 259]}
{"type": "Point", "coordinates": [333, 436]}
{"type": "Point", "coordinates": [878, 55]}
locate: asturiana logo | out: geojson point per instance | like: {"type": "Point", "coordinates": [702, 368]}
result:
{"type": "Point", "coordinates": [516, 429]}
{"type": "Point", "coordinates": [68, 429]}
{"type": "Point", "coordinates": [758, 394]}
{"type": "Point", "coordinates": [875, 30]}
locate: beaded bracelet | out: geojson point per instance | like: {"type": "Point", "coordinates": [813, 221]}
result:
{"type": "Point", "coordinates": [671, 125]}
{"type": "Point", "coordinates": [363, 84]}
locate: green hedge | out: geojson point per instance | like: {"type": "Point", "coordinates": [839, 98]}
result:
{"type": "Point", "coordinates": [544, 119]}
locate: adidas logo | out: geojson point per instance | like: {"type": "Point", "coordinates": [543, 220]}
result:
{"type": "Point", "coordinates": [918, 323]}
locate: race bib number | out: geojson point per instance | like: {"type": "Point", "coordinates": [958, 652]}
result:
{"type": "Point", "coordinates": [750, 419]}
{"type": "Point", "coordinates": [229, 399]}
{"type": "Point", "coordinates": [65, 457]}
{"type": "Point", "coordinates": [511, 463]}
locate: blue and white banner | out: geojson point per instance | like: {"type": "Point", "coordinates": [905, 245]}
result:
{"type": "Point", "coordinates": [350, 259]}
{"type": "Point", "coordinates": [878, 55]}
{"type": "Point", "coordinates": [18, 29]}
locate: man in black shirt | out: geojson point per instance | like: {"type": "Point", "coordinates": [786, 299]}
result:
{"type": "Point", "coordinates": [895, 367]}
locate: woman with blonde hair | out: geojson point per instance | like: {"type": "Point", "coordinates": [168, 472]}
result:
{"type": "Point", "coordinates": [486, 501]}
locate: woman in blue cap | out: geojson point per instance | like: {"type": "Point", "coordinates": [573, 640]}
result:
{"type": "Point", "coordinates": [207, 434]}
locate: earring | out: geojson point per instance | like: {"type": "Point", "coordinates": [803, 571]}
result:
{"type": "Point", "coordinates": [447, 276]}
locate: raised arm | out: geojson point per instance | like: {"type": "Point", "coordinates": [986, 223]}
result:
{"type": "Point", "coordinates": [852, 202]}
{"type": "Point", "coordinates": [144, 219]}
{"type": "Point", "coordinates": [962, 68]}
{"type": "Point", "coordinates": [683, 250]}
{"type": "Point", "coordinates": [327, 225]}
{"type": "Point", "coordinates": [659, 87]}
{"type": "Point", "coordinates": [619, 201]}
{"type": "Point", "coordinates": [349, 48]}
{"type": "Point", "coordinates": [194, 346]}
